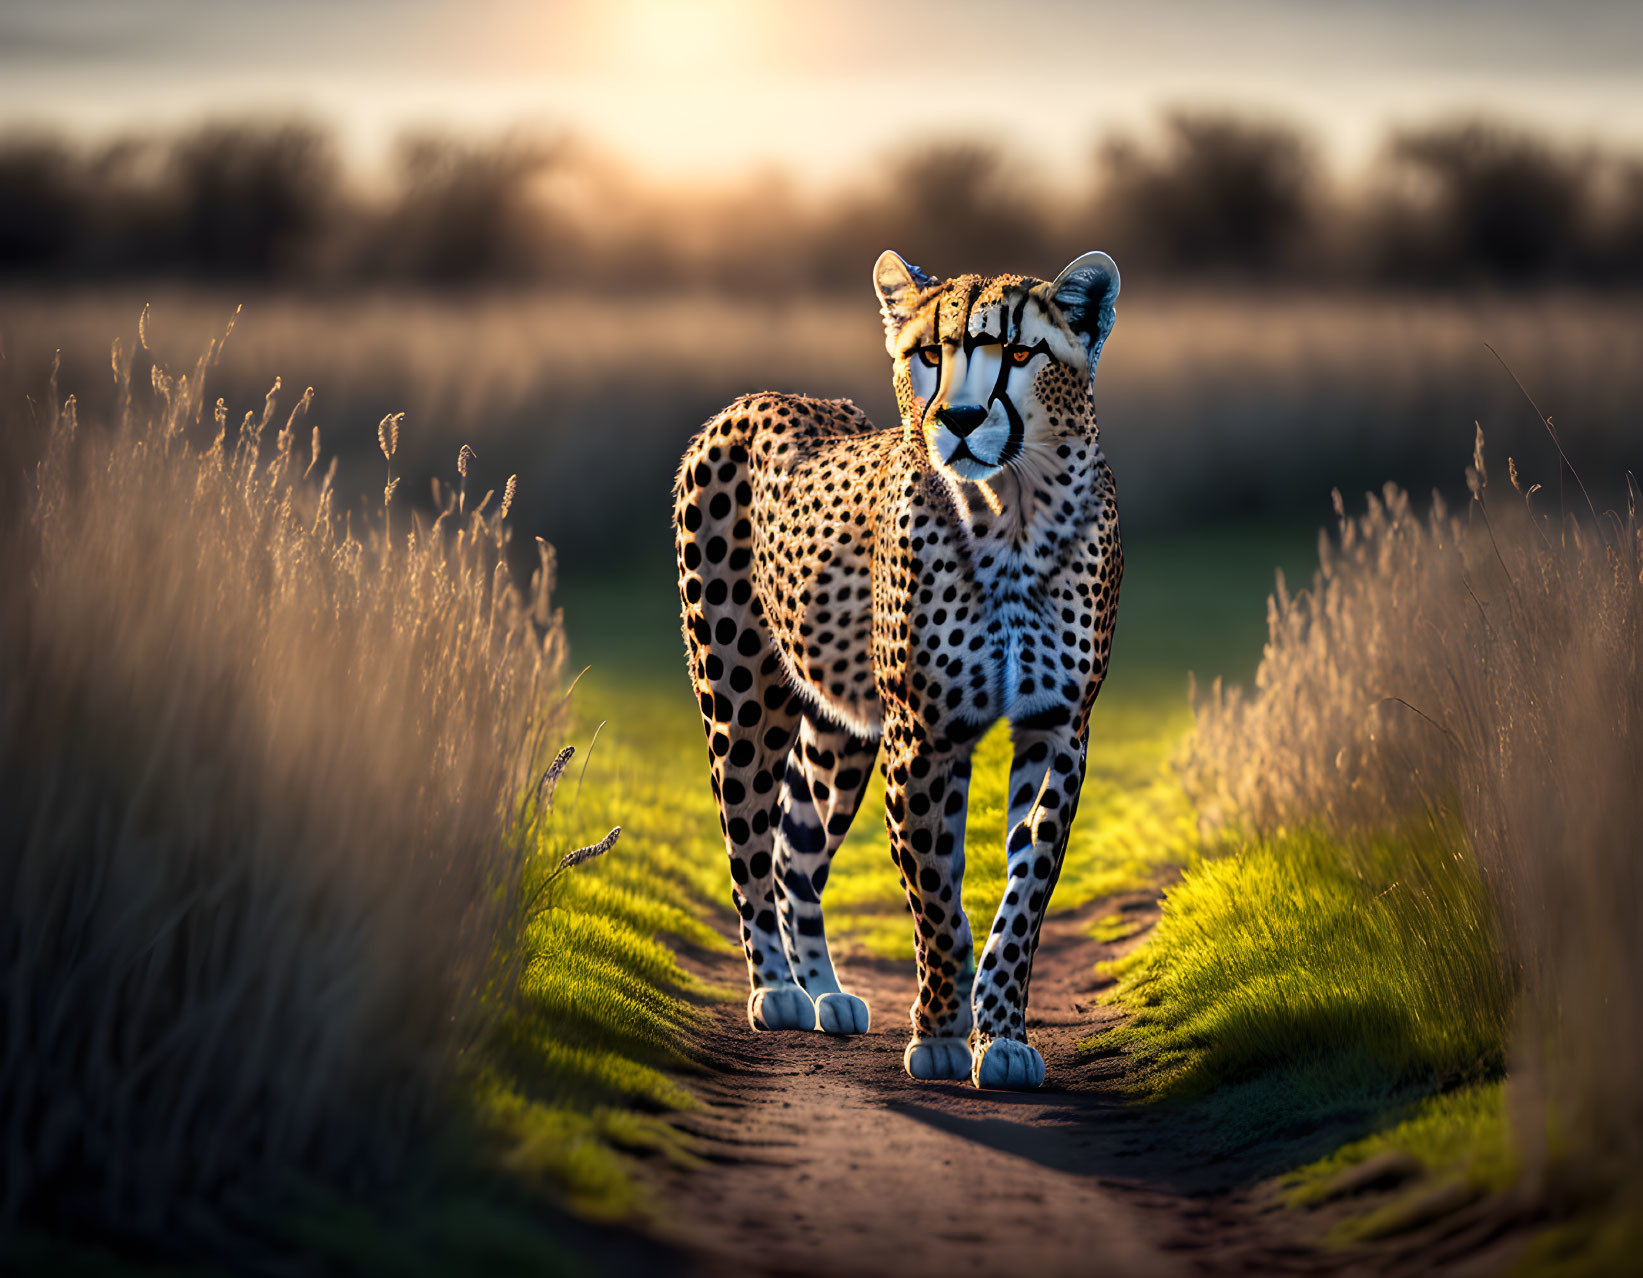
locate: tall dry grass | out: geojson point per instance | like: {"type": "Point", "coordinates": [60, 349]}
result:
{"type": "Point", "coordinates": [1215, 406]}
{"type": "Point", "coordinates": [260, 829]}
{"type": "Point", "coordinates": [1486, 665]}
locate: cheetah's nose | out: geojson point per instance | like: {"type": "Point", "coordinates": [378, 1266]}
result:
{"type": "Point", "coordinates": [961, 421]}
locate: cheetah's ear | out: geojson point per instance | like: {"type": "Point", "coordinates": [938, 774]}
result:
{"type": "Point", "coordinates": [1084, 293]}
{"type": "Point", "coordinates": [898, 283]}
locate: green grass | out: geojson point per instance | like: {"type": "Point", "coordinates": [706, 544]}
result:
{"type": "Point", "coordinates": [597, 1052]}
{"type": "Point", "coordinates": [593, 1053]}
{"type": "Point", "coordinates": [1133, 819]}
{"type": "Point", "coordinates": [1297, 990]}
{"type": "Point", "coordinates": [1294, 994]}
{"type": "Point", "coordinates": [1461, 1140]}
{"type": "Point", "coordinates": [1602, 1241]}
{"type": "Point", "coordinates": [1460, 1133]}
{"type": "Point", "coordinates": [1117, 925]}
{"type": "Point", "coordinates": [1293, 985]}
{"type": "Point", "coordinates": [579, 1076]}
{"type": "Point", "coordinates": [1290, 984]}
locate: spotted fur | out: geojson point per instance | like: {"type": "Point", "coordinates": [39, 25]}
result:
{"type": "Point", "coordinates": [851, 594]}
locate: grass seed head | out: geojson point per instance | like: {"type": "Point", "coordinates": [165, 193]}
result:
{"type": "Point", "coordinates": [388, 435]}
{"type": "Point", "coordinates": [583, 855]}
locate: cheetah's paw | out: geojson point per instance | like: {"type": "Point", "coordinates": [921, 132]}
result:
{"type": "Point", "coordinates": [780, 1007]}
{"type": "Point", "coordinates": [936, 1058]}
{"type": "Point", "coordinates": [841, 1013]}
{"type": "Point", "coordinates": [1007, 1064]}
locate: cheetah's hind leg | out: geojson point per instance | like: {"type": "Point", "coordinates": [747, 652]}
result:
{"type": "Point", "coordinates": [780, 1007]}
{"type": "Point", "coordinates": [826, 776]}
{"type": "Point", "coordinates": [750, 717]}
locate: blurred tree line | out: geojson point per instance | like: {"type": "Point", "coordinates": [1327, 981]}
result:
{"type": "Point", "coordinates": [1203, 195]}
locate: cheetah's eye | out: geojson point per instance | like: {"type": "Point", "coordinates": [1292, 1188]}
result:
{"type": "Point", "coordinates": [931, 355]}
{"type": "Point", "coordinates": [1018, 354]}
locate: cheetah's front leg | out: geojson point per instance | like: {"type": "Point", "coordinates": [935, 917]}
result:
{"type": "Point", "coordinates": [1045, 779]}
{"type": "Point", "coordinates": [924, 808]}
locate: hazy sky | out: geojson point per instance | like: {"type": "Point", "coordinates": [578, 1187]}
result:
{"type": "Point", "coordinates": [726, 86]}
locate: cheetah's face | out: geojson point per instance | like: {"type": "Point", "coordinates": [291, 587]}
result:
{"type": "Point", "coordinates": [988, 370]}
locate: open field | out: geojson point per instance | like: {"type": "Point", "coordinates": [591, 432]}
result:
{"type": "Point", "coordinates": [1214, 406]}
{"type": "Point", "coordinates": [371, 899]}
{"type": "Point", "coordinates": [1342, 966]}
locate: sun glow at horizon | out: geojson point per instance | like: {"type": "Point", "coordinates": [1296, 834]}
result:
{"type": "Point", "coordinates": [692, 89]}
{"type": "Point", "coordinates": [654, 37]}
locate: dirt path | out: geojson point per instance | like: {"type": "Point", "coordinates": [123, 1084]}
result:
{"type": "Point", "coordinates": [827, 1159]}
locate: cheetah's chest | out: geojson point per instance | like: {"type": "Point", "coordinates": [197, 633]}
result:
{"type": "Point", "coordinates": [1023, 653]}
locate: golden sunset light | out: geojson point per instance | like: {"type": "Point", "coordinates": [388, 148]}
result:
{"type": "Point", "coordinates": [733, 86]}
{"type": "Point", "coordinates": [845, 640]}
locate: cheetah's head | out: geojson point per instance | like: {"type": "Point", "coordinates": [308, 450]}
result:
{"type": "Point", "coordinates": [990, 369]}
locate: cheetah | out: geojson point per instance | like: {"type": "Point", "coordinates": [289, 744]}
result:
{"type": "Point", "coordinates": [851, 594]}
